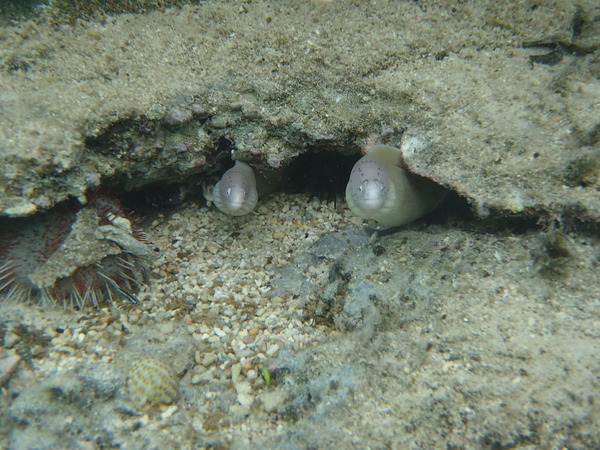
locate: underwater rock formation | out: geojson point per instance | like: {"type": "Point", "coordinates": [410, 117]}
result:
{"type": "Point", "coordinates": [508, 136]}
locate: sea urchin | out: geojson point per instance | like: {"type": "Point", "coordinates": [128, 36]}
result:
{"type": "Point", "coordinates": [73, 256]}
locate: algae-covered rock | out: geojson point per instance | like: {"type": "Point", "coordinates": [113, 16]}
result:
{"type": "Point", "coordinates": [137, 99]}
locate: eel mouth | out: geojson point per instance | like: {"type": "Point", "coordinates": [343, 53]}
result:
{"type": "Point", "coordinates": [371, 205]}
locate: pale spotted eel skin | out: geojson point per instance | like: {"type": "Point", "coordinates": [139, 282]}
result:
{"type": "Point", "coordinates": [235, 194]}
{"type": "Point", "coordinates": [380, 189]}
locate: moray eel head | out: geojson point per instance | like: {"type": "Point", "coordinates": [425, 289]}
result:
{"type": "Point", "coordinates": [368, 185]}
{"type": "Point", "coordinates": [235, 193]}
{"type": "Point", "coordinates": [381, 189]}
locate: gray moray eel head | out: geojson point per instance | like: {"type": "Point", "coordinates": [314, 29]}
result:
{"type": "Point", "coordinates": [235, 194]}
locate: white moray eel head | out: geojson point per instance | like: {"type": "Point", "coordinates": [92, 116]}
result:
{"type": "Point", "coordinates": [381, 189]}
{"type": "Point", "coordinates": [235, 194]}
{"type": "Point", "coordinates": [368, 185]}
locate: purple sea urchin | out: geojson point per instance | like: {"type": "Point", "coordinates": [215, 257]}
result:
{"type": "Point", "coordinates": [74, 257]}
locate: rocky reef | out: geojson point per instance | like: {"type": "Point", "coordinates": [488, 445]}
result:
{"type": "Point", "coordinates": [108, 102]}
{"type": "Point", "coordinates": [293, 326]}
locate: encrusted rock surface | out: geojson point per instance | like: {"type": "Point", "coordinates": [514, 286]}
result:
{"type": "Point", "coordinates": [146, 98]}
{"type": "Point", "coordinates": [293, 327]}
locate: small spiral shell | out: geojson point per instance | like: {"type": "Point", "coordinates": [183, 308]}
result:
{"type": "Point", "coordinates": [152, 382]}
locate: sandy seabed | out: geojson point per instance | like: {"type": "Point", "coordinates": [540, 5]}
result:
{"type": "Point", "coordinates": [294, 326]}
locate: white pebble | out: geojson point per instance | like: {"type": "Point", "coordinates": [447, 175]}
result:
{"type": "Point", "coordinates": [219, 332]}
{"type": "Point", "coordinates": [245, 400]}
{"type": "Point", "coordinates": [272, 350]}
{"type": "Point", "coordinates": [165, 327]}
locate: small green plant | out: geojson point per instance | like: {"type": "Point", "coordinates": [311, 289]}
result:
{"type": "Point", "coordinates": [264, 371]}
